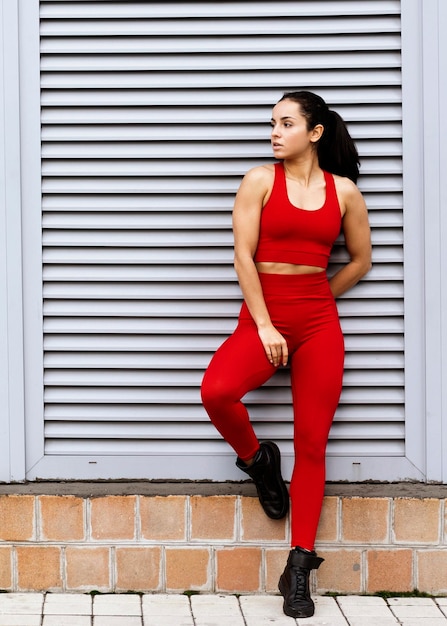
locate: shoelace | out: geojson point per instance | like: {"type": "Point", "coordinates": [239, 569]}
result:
{"type": "Point", "coordinates": [301, 584]}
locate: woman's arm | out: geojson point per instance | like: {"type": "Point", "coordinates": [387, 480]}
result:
{"type": "Point", "coordinates": [357, 235]}
{"type": "Point", "coordinates": [247, 210]}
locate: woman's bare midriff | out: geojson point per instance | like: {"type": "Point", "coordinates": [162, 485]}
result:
{"type": "Point", "coordinates": [286, 268]}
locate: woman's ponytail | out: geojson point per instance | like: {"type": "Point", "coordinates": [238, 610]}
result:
{"type": "Point", "coordinates": [337, 152]}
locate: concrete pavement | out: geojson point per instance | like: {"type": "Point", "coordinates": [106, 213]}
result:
{"type": "Point", "coordinates": [59, 609]}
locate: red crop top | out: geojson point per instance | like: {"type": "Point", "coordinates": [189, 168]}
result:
{"type": "Point", "coordinates": [289, 234]}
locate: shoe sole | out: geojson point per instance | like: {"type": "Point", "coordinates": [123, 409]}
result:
{"type": "Point", "coordinates": [287, 611]}
{"type": "Point", "coordinates": [273, 448]}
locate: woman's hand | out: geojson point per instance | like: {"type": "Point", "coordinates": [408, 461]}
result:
{"type": "Point", "coordinates": [275, 345]}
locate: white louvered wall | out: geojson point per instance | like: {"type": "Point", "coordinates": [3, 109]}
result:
{"type": "Point", "coordinates": [151, 114]}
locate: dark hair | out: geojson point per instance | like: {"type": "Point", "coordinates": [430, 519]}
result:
{"type": "Point", "coordinates": [337, 152]}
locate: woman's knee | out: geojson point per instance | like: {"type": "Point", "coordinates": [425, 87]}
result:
{"type": "Point", "coordinates": [311, 446]}
{"type": "Point", "coordinates": [215, 392]}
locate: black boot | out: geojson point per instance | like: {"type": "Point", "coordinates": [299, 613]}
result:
{"type": "Point", "coordinates": [266, 474]}
{"type": "Point", "coordinates": [294, 583]}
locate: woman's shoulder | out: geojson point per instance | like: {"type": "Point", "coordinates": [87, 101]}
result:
{"type": "Point", "coordinates": [261, 173]}
{"type": "Point", "coordinates": [345, 187]}
{"type": "Point", "coordinates": [257, 184]}
{"type": "Point", "coordinates": [348, 194]}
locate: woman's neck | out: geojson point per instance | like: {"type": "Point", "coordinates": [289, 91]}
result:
{"type": "Point", "coordinates": [302, 171]}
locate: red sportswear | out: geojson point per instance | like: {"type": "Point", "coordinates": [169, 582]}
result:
{"type": "Point", "coordinates": [289, 234]}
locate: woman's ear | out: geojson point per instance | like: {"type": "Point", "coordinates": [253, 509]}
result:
{"type": "Point", "coordinates": [316, 132]}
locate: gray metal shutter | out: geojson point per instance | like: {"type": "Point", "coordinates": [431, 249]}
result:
{"type": "Point", "coordinates": [151, 114]}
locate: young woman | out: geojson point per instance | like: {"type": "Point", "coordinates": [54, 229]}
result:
{"type": "Point", "coordinates": [286, 218]}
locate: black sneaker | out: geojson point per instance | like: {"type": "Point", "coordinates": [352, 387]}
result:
{"type": "Point", "coordinates": [266, 474]}
{"type": "Point", "coordinates": [294, 583]}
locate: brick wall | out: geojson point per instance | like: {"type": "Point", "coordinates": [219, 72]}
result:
{"type": "Point", "coordinates": [185, 541]}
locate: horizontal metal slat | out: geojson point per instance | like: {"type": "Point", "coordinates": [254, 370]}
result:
{"type": "Point", "coordinates": [366, 342]}
{"type": "Point", "coordinates": [171, 202]}
{"type": "Point", "coordinates": [112, 158]}
{"type": "Point", "coordinates": [165, 203]}
{"type": "Point", "coordinates": [140, 185]}
{"type": "Point", "coordinates": [202, 157]}
{"type": "Point", "coordinates": [352, 95]}
{"type": "Point", "coordinates": [63, 141]}
{"type": "Point", "coordinates": [198, 115]}
{"type": "Point", "coordinates": [263, 60]}
{"type": "Point", "coordinates": [225, 78]}
{"type": "Point", "coordinates": [382, 254]}
{"type": "Point", "coordinates": [164, 431]}
{"type": "Point", "coordinates": [171, 325]}
{"type": "Point", "coordinates": [147, 256]}
{"type": "Point", "coordinates": [146, 238]}
{"type": "Point", "coordinates": [296, 24]}
{"type": "Point", "coordinates": [139, 220]}
{"type": "Point", "coordinates": [196, 361]}
{"type": "Point", "coordinates": [179, 291]}
{"type": "Point", "coordinates": [188, 236]}
{"type": "Point", "coordinates": [131, 309]}
{"type": "Point", "coordinates": [193, 255]}
{"type": "Point", "coordinates": [367, 448]}
{"type": "Point", "coordinates": [189, 184]}
{"type": "Point", "coordinates": [265, 395]}
{"type": "Point", "coordinates": [109, 335]}
{"type": "Point", "coordinates": [126, 46]}
{"type": "Point", "coordinates": [168, 379]}
{"type": "Point", "coordinates": [82, 413]}
{"type": "Point", "coordinates": [193, 291]}
{"type": "Point", "coordinates": [197, 166]}
{"type": "Point", "coordinates": [185, 449]}
{"type": "Point", "coordinates": [53, 9]}
{"type": "Point", "coordinates": [153, 447]}
{"type": "Point", "coordinates": [175, 273]}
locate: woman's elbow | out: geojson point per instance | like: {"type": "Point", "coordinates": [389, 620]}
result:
{"type": "Point", "coordinates": [362, 265]}
{"type": "Point", "coordinates": [365, 267]}
{"type": "Point", "coordinates": [242, 261]}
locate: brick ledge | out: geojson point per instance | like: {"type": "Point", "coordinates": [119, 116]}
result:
{"type": "Point", "coordinates": [204, 488]}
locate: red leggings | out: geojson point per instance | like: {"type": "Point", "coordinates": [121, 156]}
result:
{"type": "Point", "coordinates": [303, 310]}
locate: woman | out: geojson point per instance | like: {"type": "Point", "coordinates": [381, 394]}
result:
{"type": "Point", "coordinates": [286, 218]}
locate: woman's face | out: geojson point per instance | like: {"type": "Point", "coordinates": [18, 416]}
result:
{"type": "Point", "coordinates": [290, 136]}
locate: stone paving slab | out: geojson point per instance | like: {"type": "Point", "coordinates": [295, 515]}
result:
{"type": "Point", "coordinates": [67, 620]}
{"type": "Point", "coordinates": [20, 620]}
{"type": "Point", "coordinates": [216, 610]}
{"type": "Point", "coordinates": [117, 604]}
{"type": "Point", "coordinates": [67, 604]}
{"type": "Point", "coordinates": [21, 603]}
{"type": "Point", "coordinates": [46, 609]}
{"type": "Point", "coordinates": [166, 610]}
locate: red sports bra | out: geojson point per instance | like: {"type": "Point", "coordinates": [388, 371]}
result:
{"type": "Point", "coordinates": [289, 234]}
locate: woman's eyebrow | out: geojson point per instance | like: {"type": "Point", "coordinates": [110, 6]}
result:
{"type": "Point", "coordinates": [285, 117]}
